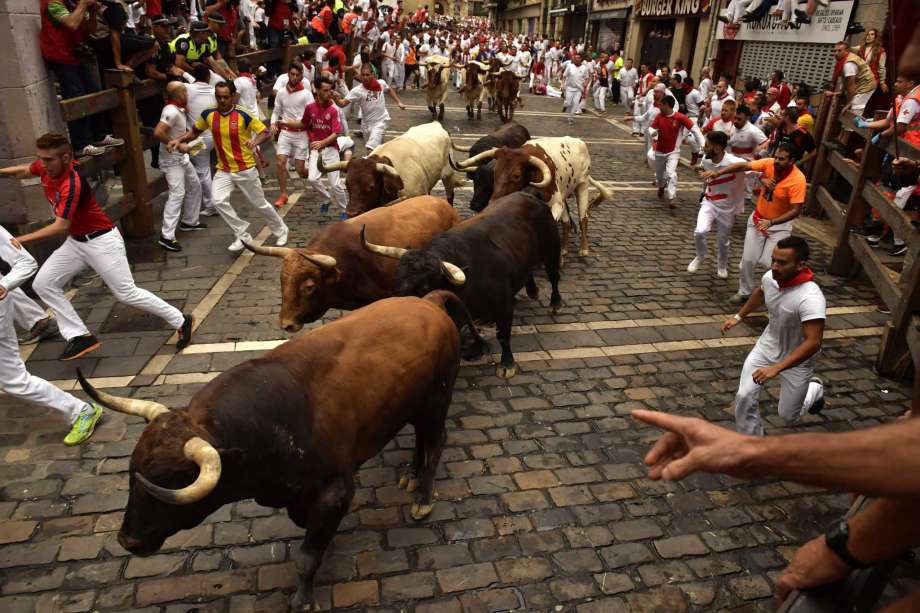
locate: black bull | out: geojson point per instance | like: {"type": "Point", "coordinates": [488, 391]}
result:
{"type": "Point", "coordinates": [512, 135]}
{"type": "Point", "coordinates": [485, 260]}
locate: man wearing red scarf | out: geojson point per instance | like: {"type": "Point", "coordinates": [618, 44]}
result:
{"type": "Point", "coordinates": [788, 348]}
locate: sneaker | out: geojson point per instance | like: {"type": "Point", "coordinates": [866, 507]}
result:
{"type": "Point", "coordinates": [110, 141]}
{"type": "Point", "coordinates": [236, 246]}
{"type": "Point", "coordinates": [263, 180]}
{"type": "Point", "coordinates": [281, 201]}
{"type": "Point", "coordinates": [84, 425]}
{"type": "Point", "coordinates": [43, 328]}
{"type": "Point", "coordinates": [874, 239]}
{"type": "Point", "coordinates": [723, 18]}
{"type": "Point", "coordinates": [748, 18]}
{"type": "Point", "coordinates": [722, 273]}
{"type": "Point", "coordinates": [282, 239]}
{"type": "Point", "coordinates": [185, 332]}
{"type": "Point", "coordinates": [169, 244]}
{"type": "Point", "coordinates": [802, 17]}
{"type": "Point", "coordinates": [694, 264]}
{"type": "Point", "coordinates": [897, 250]}
{"type": "Point", "coordinates": [343, 216]}
{"type": "Point", "coordinates": [84, 278]}
{"type": "Point", "coordinates": [738, 298]}
{"type": "Point", "coordinates": [818, 405]}
{"type": "Point", "coordinates": [209, 212]}
{"type": "Point", "coordinates": [324, 208]}
{"type": "Point", "coordinates": [93, 150]}
{"type": "Point", "coordinates": [191, 227]}
{"type": "Point", "coordinates": [78, 347]}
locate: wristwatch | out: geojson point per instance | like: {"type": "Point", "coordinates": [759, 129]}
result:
{"type": "Point", "coordinates": [836, 539]}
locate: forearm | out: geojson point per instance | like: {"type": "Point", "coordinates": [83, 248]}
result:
{"type": "Point", "coordinates": [22, 266]}
{"type": "Point", "coordinates": [183, 64]}
{"type": "Point", "coordinates": [74, 19]}
{"type": "Point", "coordinates": [261, 138]}
{"type": "Point", "coordinates": [16, 172]}
{"type": "Point", "coordinates": [115, 40]}
{"type": "Point", "coordinates": [754, 302]}
{"type": "Point", "coordinates": [161, 133]}
{"type": "Point", "coordinates": [805, 350]}
{"type": "Point", "coordinates": [50, 231]}
{"type": "Point", "coordinates": [732, 168]}
{"type": "Point", "coordinates": [789, 215]}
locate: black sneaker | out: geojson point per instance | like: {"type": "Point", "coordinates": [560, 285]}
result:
{"type": "Point", "coordinates": [818, 405]}
{"type": "Point", "coordinates": [43, 328]}
{"type": "Point", "coordinates": [169, 244]}
{"type": "Point", "coordinates": [185, 332]}
{"type": "Point", "coordinates": [191, 227]}
{"type": "Point", "coordinates": [874, 239]}
{"type": "Point", "coordinates": [79, 346]}
{"type": "Point", "coordinates": [897, 250]}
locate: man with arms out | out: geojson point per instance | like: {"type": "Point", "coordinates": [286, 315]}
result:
{"type": "Point", "coordinates": [236, 132]}
{"type": "Point", "coordinates": [92, 242]}
{"type": "Point", "coordinates": [369, 96]}
{"type": "Point", "coordinates": [722, 201]}
{"type": "Point", "coordinates": [667, 131]}
{"type": "Point", "coordinates": [321, 120]}
{"type": "Point", "coordinates": [14, 378]}
{"type": "Point", "coordinates": [789, 346]}
{"type": "Point", "coordinates": [780, 202]}
{"type": "Point", "coordinates": [290, 103]}
{"type": "Point", "coordinates": [184, 198]}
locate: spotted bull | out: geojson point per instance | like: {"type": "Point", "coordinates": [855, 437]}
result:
{"type": "Point", "coordinates": [334, 272]}
{"type": "Point", "coordinates": [557, 168]}
{"type": "Point", "coordinates": [409, 165]}
{"type": "Point", "coordinates": [291, 428]}
{"type": "Point", "coordinates": [507, 135]}
{"type": "Point", "coordinates": [485, 260]}
{"type": "Point", "coordinates": [437, 69]}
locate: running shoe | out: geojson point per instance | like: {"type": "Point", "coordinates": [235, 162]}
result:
{"type": "Point", "coordinates": [43, 328]}
{"type": "Point", "coordinates": [169, 244]}
{"type": "Point", "coordinates": [85, 424]}
{"type": "Point", "coordinates": [79, 346]}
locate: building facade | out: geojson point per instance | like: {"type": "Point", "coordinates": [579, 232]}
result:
{"type": "Point", "coordinates": [670, 30]}
{"type": "Point", "coordinates": [522, 17]}
{"type": "Point", "coordinates": [567, 19]}
{"type": "Point", "coordinates": [608, 23]}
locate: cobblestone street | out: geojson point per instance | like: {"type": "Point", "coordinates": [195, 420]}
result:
{"type": "Point", "coordinates": [542, 500]}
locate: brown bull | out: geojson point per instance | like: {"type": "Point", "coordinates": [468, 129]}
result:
{"type": "Point", "coordinates": [472, 89]}
{"type": "Point", "coordinates": [334, 272]}
{"type": "Point", "coordinates": [291, 428]}
{"type": "Point", "coordinates": [506, 91]}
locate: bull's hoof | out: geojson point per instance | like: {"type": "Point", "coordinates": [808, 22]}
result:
{"type": "Point", "coordinates": [304, 603]}
{"type": "Point", "coordinates": [583, 252]}
{"type": "Point", "coordinates": [408, 480]}
{"type": "Point", "coordinates": [419, 512]}
{"type": "Point", "coordinates": [534, 295]}
{"type": "Point", "coordinates": [506, 372]}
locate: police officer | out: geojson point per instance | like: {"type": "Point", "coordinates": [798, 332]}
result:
{"type": "Point", "coordinates": [199, 45]}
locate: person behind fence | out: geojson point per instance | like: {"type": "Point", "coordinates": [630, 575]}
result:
{"type": "Point", "coordinates": [92, 241]}
{"type": "Point", "coordinates": [236, 132]}
{"type": "Point", "coordinates": [14, 378]}
{"type": "Point", "coordinates": [114, 47]}
{"type": "Point", "coordinates": [184, 199]}
{"type": "Point", "coordinates": [857, 81]}
{"type": "Point", "coordinates": [789, 346]}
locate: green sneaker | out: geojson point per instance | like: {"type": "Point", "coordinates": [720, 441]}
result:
{"type": "Point", "coordinates": [84, 425]}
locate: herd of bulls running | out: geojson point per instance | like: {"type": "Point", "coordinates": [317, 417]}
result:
{"type": "Point", "coordinates": [290, 429]}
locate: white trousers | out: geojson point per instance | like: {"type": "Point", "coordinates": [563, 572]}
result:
{"type": "Point", "coordinates": [330, 155]}
{"type": "Point", "coordinates": [387, 69]}
{"type": "Point", "coordinates": [796, 395]}
{"type": "Point", "coordinates": [107, 256]}
{"type": "Point", "coordinates": [202, 163]}
{"type": "Point", "coordinates": [399, 75]}
{"type": "Point", "coordinates": [724, 219]}
{"type": "Point", "coordinates": [373, 135]}
{"type": "Point", "coordinates": [26, 312]}
{"type": "Point", "coordinates": [758, 249]}
{"type": "Point", "coordinates": [737, 8]}
{"type": "Point", "coordinates": [627, 95]}
{"type": "Point", "coordinates": [16, 381]}
{"type": "Point", "coordinates": [572, 102]}
{"type": "Point", "coordinates": [247, 181]}
{"type": "Point", "coordinates": [184, 199]}
{"type": "Point", "coordinates": [600, 98]}
{"type": "Point", "coordinates": [639, 109]}
{"type": "Point", "coordinates": [666, 172]}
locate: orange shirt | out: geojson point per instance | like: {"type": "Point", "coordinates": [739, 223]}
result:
{"type": "Point", "coordinates": [788, 192]}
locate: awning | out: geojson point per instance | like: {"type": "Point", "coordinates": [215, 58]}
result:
{"type": "Point", "coordinates": [605, 15]}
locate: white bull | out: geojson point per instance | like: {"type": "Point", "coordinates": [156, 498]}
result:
{"type": "Point", "coordinates": [438, 69]}
{"type": "Point", "coordinates": [558, 167]}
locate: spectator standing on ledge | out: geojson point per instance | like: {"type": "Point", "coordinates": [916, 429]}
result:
{"type": "Point", "coordinates": [858, 82]}
{"type": "Point", "coordinates": [114, 47]}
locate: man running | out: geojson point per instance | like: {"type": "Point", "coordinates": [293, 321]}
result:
{"type": "Point", "coordinates": [667, 131]}
{"type": "Point", "coordinates": [575, 82]}
{"type": "Point", "coordinates": [789, 346]}
{"type": "Point", "coordinates": [290, 103]}
{"type": "Point", "coordinates": [92, 241]}
{"type": "Point", "coordinates": [321, 121]}
{"type": "Point", "coordinates": [369, 96]}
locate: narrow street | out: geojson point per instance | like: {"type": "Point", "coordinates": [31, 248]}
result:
{"type": "Point", "coordinates": [543, 504]}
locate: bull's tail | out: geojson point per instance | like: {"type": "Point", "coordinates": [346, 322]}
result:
{"type": "Point", "coordinates": [603, 192]}
{"type": "Point", "coordinates": [457, 311]}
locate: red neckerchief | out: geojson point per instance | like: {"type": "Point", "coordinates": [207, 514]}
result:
{"type": "Point", "coordinates": [176, 104]}
{"type": "Point", "coordinates": [246, 74]}
{"type": "Point", "coordinates": [804, 276]}
{"type": "Point", "coordinates": [297, 88]}
{"type": "Point", "coordinates": [838, 68]}
{"type": "Point", "coordinates": [373, 85]}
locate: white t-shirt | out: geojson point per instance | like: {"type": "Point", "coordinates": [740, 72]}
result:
{"type": "Point", "coordinates": [788, 309]}
{"type": "Point", "coordinates": [693, 100]}
{"type": "Point", "coordinates": [850, 69]}
{"type": "Point", "coordinates": [321, 52]}
{"type": "Point", "coordinates": [706, 86]}
{"type": "Point", "coordinates": [575, 77]}
{"type": "Point", "coordinates": [179, 123]}
{"type": "Point", "coordinates": [373, 105]}
{"type": "Point", "coordinates": [726, 192]}
{"type": "Point", "coordinates": [628, 77]}
{"type": "Point", "coordinates": [682, 73]}
{"type": "Point", "coordinates": [200, 97]}
{"type": "Point", "coordinates": [744, 140]}
{"type": "Point", "coordinates": [715, 104]}
{"type": "Point", "coordinates": [246, 88]}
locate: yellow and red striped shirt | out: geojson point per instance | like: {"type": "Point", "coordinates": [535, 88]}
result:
{"type": "Point", "coordinates": [231, 134]}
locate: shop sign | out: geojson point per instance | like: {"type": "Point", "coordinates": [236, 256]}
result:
{"type": "Point", "coordinates": [828, 25]}
{"type": "Point", "coordinates": [649, 9]}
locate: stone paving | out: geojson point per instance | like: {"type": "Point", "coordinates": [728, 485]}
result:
{"type": "Point", "coordinates": [542, 500]}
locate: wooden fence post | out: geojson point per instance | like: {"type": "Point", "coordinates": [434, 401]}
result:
{"type": "Point", "coordinates": [821, 169]}
{"type": "Point", "coordinates": [131, 168]}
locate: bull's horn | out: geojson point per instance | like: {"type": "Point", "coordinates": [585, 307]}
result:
{"type": "Point", "coordinates": [453, 165]}
{"type": "Point", "coordinates": [340, 165]}
{"type": "Point", "coordinates": [508, 63]}
{"type": "Point", "coordinates": [485, 155]}
{"type": "Point", "coordinates": [147, 409]}
{"type": "Point", "coordinates": [457, 147]}
{"type": "Point", "coordinates": [275, 252]}
{"type": "Point", "coordinates": [545, 175]}
{"type": "Point", "coordinates": [390, 252]}
{"type": "Point", "coordinates": [326, 262]}
{"type": "Point", "coordinates": [387, 170]}
{"type": "Point", "coordinates": [480, 65]}
{"type": "Point", "coordinates": [453, 273]}
{"type": "Point", "coordinates": [206, 457]}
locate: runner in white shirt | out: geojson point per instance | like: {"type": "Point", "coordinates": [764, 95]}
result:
{"type": "Point", "coordinates": [722, 201]}
{"type": "Point", "coordinates": [290, 104]}
{"type": "Point", "coordinates": [201, 97]}
{"type": "Point", "coordinates": [788, 348]}
{"type": "Point", "coordinates": [693, 101]}
{"type": "Point", "coordinates": [369, 96]}
{"type": "Point", "coordinates": [719, 96]}
{"type": "Point", "coordinates": [706, 84]}
{"type": "Point", "coordinates": [184, 198]}
{"type": "Point", "coordinates": [246, 88]}
{"type": "Point", "coordinates": [628, 78]}
{"type": "Point", "coordinates": [747, 141]}
{"type": "Point", "coordinates": [575, 81]}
